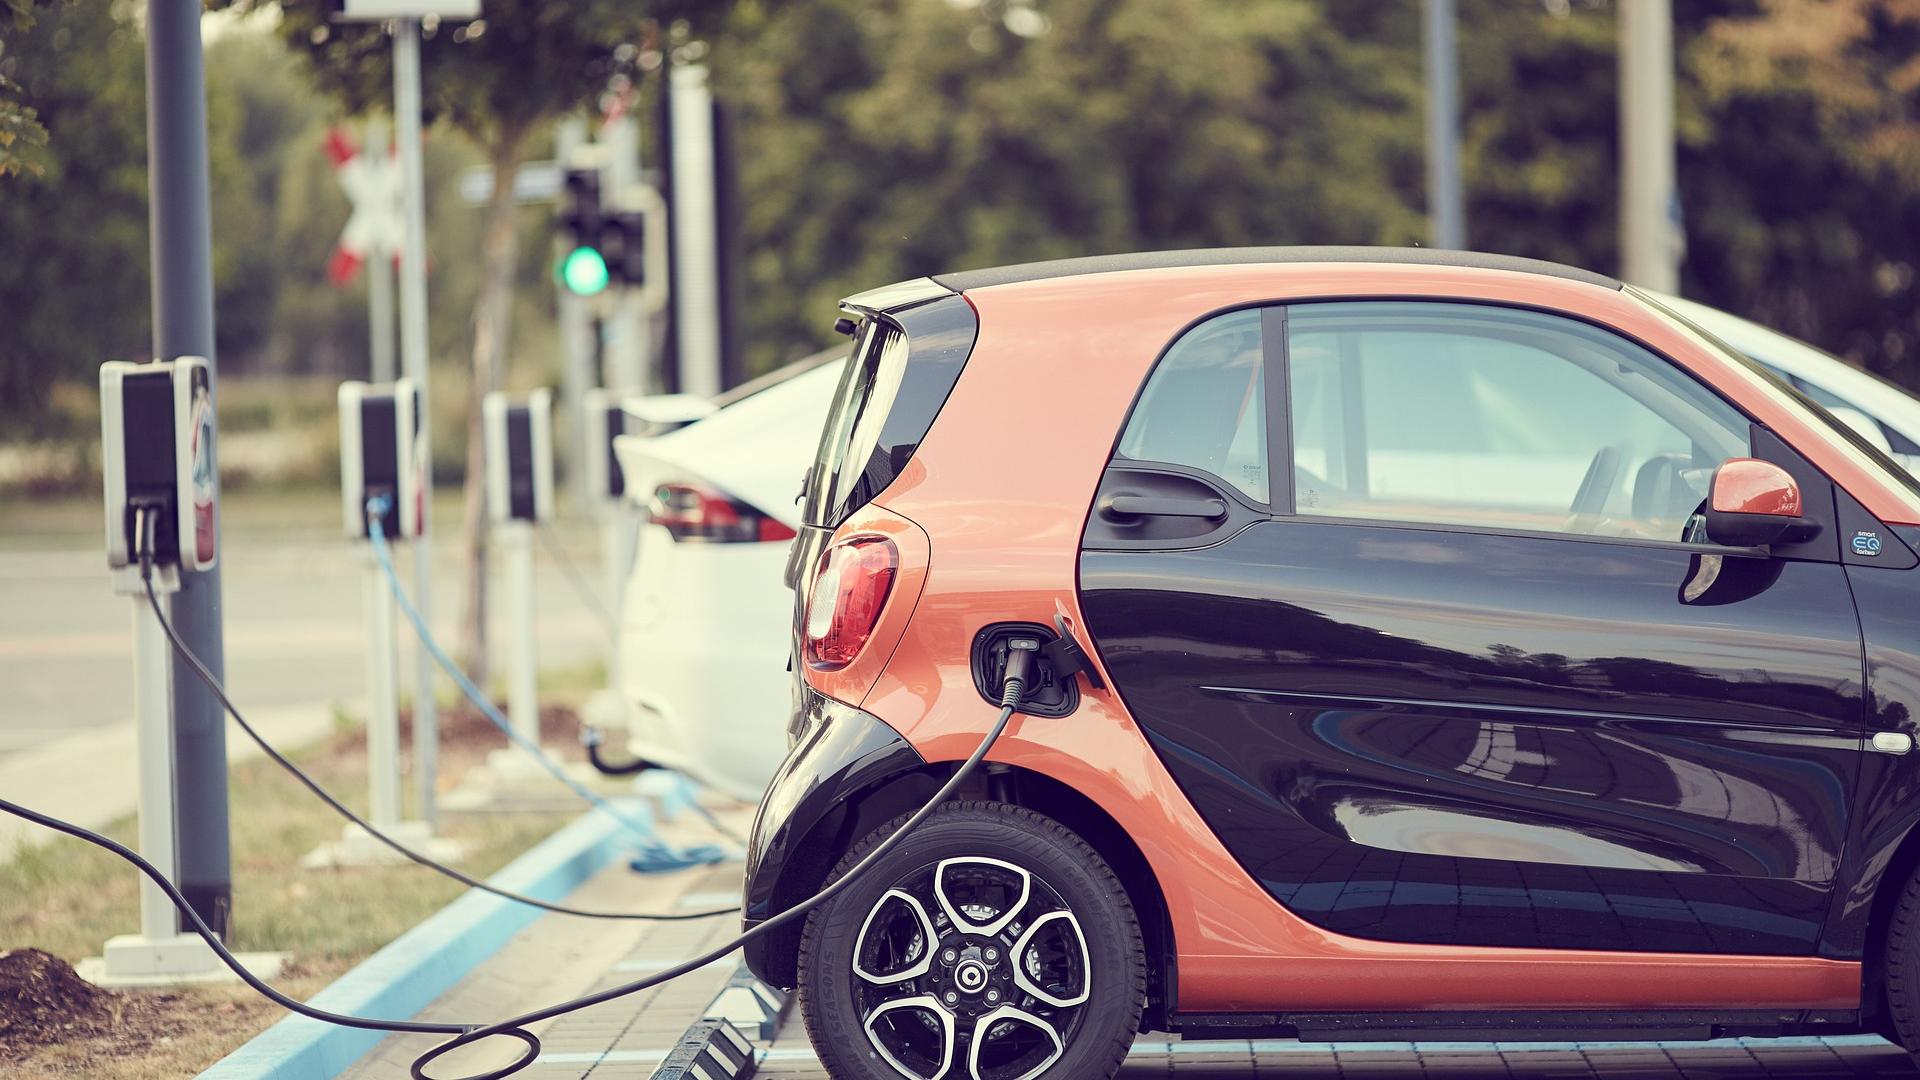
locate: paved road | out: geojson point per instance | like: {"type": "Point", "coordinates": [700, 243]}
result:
{"type": "Point", "coordinates": [294, 628]}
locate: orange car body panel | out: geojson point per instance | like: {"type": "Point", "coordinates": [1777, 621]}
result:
{"type": "Point", "coordinates": [1002, 484]}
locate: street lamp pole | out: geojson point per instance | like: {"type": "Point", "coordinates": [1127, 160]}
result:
{"type": "Point", "coordinates": [1446, 199]}
{"type": "Point", "coordinates": [413, 364]}
{"type": "Point", "coordinates": [180, 219]}
{"type": "Point", "coordinates": [1651, 241]}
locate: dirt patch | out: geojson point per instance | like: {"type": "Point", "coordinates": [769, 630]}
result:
{"type": "Point", "coordinates": [43, 1002]}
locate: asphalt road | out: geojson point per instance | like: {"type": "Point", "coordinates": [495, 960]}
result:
{"type": "Point", "coordinates": [295, 628]}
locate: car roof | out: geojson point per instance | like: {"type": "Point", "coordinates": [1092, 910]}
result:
{"type": "Point", "coordinates": [1158, 260]}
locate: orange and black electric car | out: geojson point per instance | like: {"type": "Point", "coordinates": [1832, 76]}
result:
{"type": "Point", "coordinates": [1428, 643]}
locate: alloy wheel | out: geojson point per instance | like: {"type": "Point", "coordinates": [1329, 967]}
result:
{"type": "Point", "coordinates": [970, 967]}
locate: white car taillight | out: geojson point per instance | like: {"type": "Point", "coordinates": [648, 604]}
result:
{"type": "Point", "coordinates": [848, 594]}
{"type": "Point", "coordinates": [693, 511]}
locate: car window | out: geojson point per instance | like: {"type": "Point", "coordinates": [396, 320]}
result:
{"type": "Point", "coordinates": [1471, 415]}
{"type": "Point", "coordinates": [1205, 405]}
{"type": "Point", "coordinates": [860, 405]}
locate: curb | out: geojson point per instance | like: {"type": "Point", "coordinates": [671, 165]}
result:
{"type": "Point", "coordinates": [426, 961]}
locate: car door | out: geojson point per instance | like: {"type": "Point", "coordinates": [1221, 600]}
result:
{"type": "Point", "coordinates": [1403, 597]}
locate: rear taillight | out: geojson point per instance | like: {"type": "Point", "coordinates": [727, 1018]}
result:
{"type": "Point", "coordinates": [696, 512]}
{"type": "Point", "coordinates": [848, 593]}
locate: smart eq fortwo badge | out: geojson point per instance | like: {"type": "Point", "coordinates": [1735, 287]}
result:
{"type": "Point", "coordinates": [1866, 543]}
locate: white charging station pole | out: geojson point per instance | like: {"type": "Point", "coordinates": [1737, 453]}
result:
{"type": "Point", "coordinates": [153, 731]}
{"type": "Point", "coordinates": [518, 445]}
{"type": "Point", "coordinates": [383, 703]}
{"type": "Point", "coordinates": [382, 457]}
{"type": "Point", "coordinates": [158, 470]}
{"type": "Point", "coordinates": [523, 667]}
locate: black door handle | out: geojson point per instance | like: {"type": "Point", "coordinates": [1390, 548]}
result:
{"type": "Point", "coordinates": [1132, 506]}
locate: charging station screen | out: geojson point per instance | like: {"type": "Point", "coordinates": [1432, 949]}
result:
{"type": "Point", "coordinates": [380, 453]}
{"type": "Point", "coordinates": [520, 464]}
{"type": "Point", "coordinates": [151, 465]}
{"type": "Point", "coordinates": [616, 426]}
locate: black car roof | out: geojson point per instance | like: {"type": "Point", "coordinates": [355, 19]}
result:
{"type": "Point", "coordinates": [1157, 260]}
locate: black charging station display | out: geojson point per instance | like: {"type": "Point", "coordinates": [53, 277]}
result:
{"type": "Point", "coordinates": [381, 457]}
{"type": "Point", "coordinates": [151, 459]}
{"type": "Point", "coordinates": [616, 427]}
{"type": "Point", "coordinates": [380, 453]}
{"type": "Point", "coordinates": [518, 439]}
{"type": "Point", "coordinates": [157, 453]}
{"type": "Point", "coordinates": [520, 493]}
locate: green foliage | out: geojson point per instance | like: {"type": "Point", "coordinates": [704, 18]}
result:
{"type": "Point", "coordinates": [73, 284]}
{"type": "Point", "coordinates": [885, 140]}
{"type": "Point", "coordinates": [23, 138]}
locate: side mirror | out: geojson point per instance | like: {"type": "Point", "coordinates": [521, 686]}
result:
{"type": "Point", "coordinates": [1752, 503]}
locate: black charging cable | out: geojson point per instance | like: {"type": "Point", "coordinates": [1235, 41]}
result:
{"type": "Point", "coordinates": [144, 527]}
{"type": "Point", "coordinates": [1020, 665]}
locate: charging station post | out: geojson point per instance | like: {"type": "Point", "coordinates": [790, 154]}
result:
{"type": "Point", "coordinates": [519, 454]}
{"type": "Point", "coordinates": [382, 486]}
{"type": "Point", "coordinates": [158, 471]}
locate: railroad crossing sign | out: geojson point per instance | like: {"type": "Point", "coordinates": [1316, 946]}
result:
{"type": "Point", "coordinates": [376, 227]}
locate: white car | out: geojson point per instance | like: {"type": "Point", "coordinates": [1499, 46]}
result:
{"type": "Point", "coordinates": [706, 616]}
{"type": "Point", "coordinates": [1885, 415]}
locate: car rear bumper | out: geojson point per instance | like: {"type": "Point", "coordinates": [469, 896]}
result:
{"type": "Point", "coordinates": [841, 753]}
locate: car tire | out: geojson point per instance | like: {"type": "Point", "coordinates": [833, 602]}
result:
{"type": "Point", "coordinates": [1901, 966]}
{"type": "Point", "coordinates": [1006, 986]}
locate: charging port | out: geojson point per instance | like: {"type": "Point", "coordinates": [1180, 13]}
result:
{"type": "Point", "coordinates": [1048, 695]}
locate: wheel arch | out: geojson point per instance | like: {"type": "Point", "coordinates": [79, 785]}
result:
{"type": "Point", "coordinates": [861, 811]}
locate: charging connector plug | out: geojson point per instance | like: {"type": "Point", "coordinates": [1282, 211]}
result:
{"type": "Point", "coordinates": [1021, 654]}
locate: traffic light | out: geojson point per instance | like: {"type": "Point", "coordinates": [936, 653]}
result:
{"type": "Point", "coordinates": [624, 244]}
{"type": "Point", "coordinates": [583, 269]}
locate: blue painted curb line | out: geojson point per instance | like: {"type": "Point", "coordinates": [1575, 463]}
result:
{"type": "Point", "coordinates": [426, 961]}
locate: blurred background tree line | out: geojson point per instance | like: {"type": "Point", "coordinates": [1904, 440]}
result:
{"type": "Point", "coordinates": [882, 139]}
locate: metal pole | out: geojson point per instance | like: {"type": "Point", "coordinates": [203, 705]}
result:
{"type": "Point", "coordinates": [413, 361]}
{"type": "Point", "coordinates": [576, 342]}
{"type": "Point", "coordinates": [696, 246]}
{"type": "Point", "coordinates": [180, 220]}
{"type": "Point", "coordinates": [379, 276]}
{"type": "Point", "coordinates": [1651, 241]}
{"type": "Point", "coordinates": [523, 689]}
{"type": "Point", "coordinates": [153, 723]}
{"type": "Point", "coordinates": [383, 703]}
{"type": "Point", "coordinates": [1446, 200]}
{"type": "Point", "coordinates": [628, 335]}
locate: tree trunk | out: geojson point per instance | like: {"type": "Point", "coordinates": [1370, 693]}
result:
{"type": "Point", "coordinates": [492, 330]}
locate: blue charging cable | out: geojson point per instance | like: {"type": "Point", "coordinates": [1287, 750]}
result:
{"type": "Point", "coordinates": [654, 855]}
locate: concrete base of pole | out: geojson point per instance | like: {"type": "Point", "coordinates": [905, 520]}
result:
{"type": "Point", "coordinates": [134, 961]}
{"type": "Point", "coordinates": [357, 847]}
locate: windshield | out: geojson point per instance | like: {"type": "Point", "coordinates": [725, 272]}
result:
{"type": "Point", "coordinates": [1857, 447]}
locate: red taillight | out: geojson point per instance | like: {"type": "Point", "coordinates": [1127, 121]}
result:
{"type": "Point", "coordinates": [695, 512]}
{"type": "Point", "coordinates": [848, 594]}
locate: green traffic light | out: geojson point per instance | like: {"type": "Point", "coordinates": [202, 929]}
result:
{"type": "Point", "coordinates": [584, 271]}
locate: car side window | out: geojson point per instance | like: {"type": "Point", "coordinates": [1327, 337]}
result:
{"type": "Point", "coordinates": [1204, 406]}
{"type": "Point", "coordinates": [1464, 414]}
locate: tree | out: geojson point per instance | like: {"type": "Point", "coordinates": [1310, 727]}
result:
{"type": "Point", "coordinates": [884, 139]}
{"type": "Point", "coordinates": [73, 281]}
{"type": "Point", "coordinates": [22, 137]}
{"type": "Point", "coordinates": [498, 79]}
